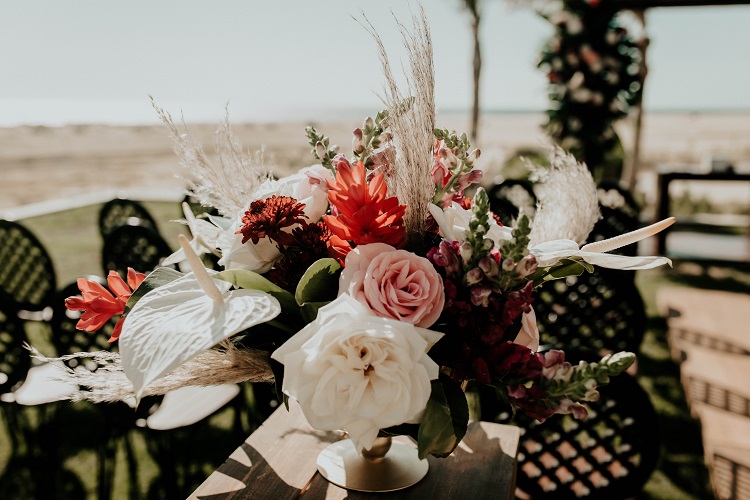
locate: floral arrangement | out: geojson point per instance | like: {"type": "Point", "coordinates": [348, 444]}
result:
{"type": "Point", "coordinates": [593, 68]}
{"type": "Point", "coordinates": [370, 286]}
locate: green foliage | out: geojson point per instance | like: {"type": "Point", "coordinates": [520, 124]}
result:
{"type": "Point", "coordinates": [253, 281]}
{"type": "Point", "coordinates": [445, 419]}
{"type": "Point", "coordinates": [578, 386]}
{"type": "Point", "coordinates": [593, 68]}
{"type": "Point", "coordinates": [321, 147]}
{"type": "Point", "coordinates": [317, 287]}
{"type": "Point", "coordinates": [562, 269]}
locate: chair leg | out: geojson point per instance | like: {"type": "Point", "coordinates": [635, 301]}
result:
{"type": "Point", "coordinates": [106, 452]}
{"type": "Point", "coordinates": [132, 467]}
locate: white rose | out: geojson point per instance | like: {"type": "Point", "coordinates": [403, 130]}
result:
{"type": "Point", "coordinates": [454, 222]}
{"type": "Point", "coordinates": [258, 257]}
{"type": "Point", "coordinates": [354, 371]}
{"type": "Point", "coordinates": [308, 186]}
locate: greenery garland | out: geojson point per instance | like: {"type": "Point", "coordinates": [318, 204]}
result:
{"type": "Point", "coordinates": [593, 68]}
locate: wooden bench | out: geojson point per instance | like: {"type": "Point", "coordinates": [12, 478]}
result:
{"type": "Point", "coordinates": [726, 446]}
{"type": "Point", "coordinates": [717, 378]}
{"type": "Point", "coordinates": [278, 461]}
{"type": "Point", "coordinates": [709, 318]}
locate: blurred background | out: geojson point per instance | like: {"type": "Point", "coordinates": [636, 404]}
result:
{"type": "Point", "coordinates": [652, 95]}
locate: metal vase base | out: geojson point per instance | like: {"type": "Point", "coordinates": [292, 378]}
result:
{"type": "Point", "coordinates": [386, 467]}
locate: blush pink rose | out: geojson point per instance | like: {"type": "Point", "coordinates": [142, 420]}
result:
{"type": "Point", "coordinates": [394, 284]}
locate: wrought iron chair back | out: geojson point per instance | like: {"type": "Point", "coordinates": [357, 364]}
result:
{"type": "Point", "coordinates": [600, 311]}
{"type": "Point", "coordinates": [14, 358]}
{"type": "Point", "coordinates": [120, 418]}
{"type": "Point", "coordinates": [612, 194]}
{"type": "Point", "coordinates": [133, 246]}
{"type": "Point", "coordinates": [511, 196]}
{"type": "Point", "coordinates": [120, 212]}
{"type": "Point", "coordinates": [27, 275]}
{"type": "Point", "coordinates": [609, 455]}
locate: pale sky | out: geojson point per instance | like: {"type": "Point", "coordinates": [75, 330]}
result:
{"type": "Point", "coordinates": [97, 61]}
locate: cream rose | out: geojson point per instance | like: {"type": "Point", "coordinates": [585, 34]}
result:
{"type": "Point", "coordinates": [394, 284]}
{"type": "Point", "coordinates": [351, 370]}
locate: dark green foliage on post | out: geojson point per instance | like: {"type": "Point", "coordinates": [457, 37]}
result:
{"type": "Point", "coordinates": [593, 69]}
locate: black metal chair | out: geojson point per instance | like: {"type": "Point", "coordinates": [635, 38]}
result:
{"type": "Point", "coordinates": [27, 275]}
{"type": "Point", "coordinates": [133, 246]}
{"type": "Point", "coordinates": [601, 311]}
{"type": "Point", "coordinates": [609, 455]}
{"type": "Point", "coordinates": [120, 212]}
{"type": "Point", "coordinates": [120, 419]}
{"type": "Point", "coordinates": [612, 194]}
{"type": "Point", "coordinates": [511, 196]}
{"type": "Point", "coordinates": [620, 214]}
{"type": "Point", "coordinates": [15, 363]}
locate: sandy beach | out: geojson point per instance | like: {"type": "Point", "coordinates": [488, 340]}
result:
{"type": "Point", "coordinates": [39, 163]}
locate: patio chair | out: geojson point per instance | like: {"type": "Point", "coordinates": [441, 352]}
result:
{"type": "Point", "coordinates": [609, 455]}
{"type": "Point", "coordinates": [511, 196]}
{"type": "Point", "coordinates": [14, 366]}
{"type": "Point", "coordinates": [612, 194]}
{"type": "Point", "coordinates": [135, 246]}
{"type": "Point", "coordinates": [120, 212]}
{"type": "Point", "coordinates": [120, 418]}
{"type": "Point", "coordinates": [599, 311]}
{"type": "Point", "coordinates": [27, 276]}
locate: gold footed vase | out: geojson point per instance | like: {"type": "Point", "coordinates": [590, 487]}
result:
{"type": "Point", "coordinates": [388, 466]}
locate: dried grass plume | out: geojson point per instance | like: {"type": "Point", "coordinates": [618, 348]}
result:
{"type": "Point", "coordinates": [224, 365]}
{"type": "Point", "coordinates": [568, 207]}
{"type": "Point", "coordinates": [225, 184]}
{"type": "Point", "coordinates": [412, 123]}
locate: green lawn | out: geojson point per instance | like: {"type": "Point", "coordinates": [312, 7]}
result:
{"type": "Point", "coordinates": [72, 239]}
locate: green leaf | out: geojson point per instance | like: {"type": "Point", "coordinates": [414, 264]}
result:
{"type": "Point", "coordinates": [309, 310]}
{"type": "Point", "coordinates": [563, 269]}
{"type": "Point", "coordinates": [319, 283]}
{"type": "Point", "coordinates": [445, 419]}
{"type": "Point", "coordinates": [253, 281]}
{"type": "Point", "coordinates": [158, 277]}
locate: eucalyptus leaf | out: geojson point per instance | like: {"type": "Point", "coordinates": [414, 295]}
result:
{"type": "Point", "coordinates": [445, 419]}
{"type": "Point", "coordinates": [250, 280]}
{"type": "Point", "coordinates": [319, 283]}
{"type": "Point", "coordinates": [158, 277]}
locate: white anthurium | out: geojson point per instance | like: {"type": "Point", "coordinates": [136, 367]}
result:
{"type": "Point", "coordinates": [205, 235]}
{"type": "Point", "coordinates": [175, 322]}
{"type": "Point", "coordinates": [453, 222]}
{"type": "Point", "coordinates": [309, 186]}
{"type": "Point", "coordinates": [549, 252]}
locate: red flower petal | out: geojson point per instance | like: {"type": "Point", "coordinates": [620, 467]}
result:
{"type": "Point", "coordinates": [116, 332]}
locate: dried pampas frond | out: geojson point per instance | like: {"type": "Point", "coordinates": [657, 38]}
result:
{"type": "Point", "coordinates": [224, 365]}
{"type": "Point", "coordinates": [568, 207]}
{"type": "Point", "coordinates": [225, 185]}
{"type": "Point", "coordinates": [412, 122]}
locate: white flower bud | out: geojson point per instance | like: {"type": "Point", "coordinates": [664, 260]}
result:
{"type": "Point", "coordinates": [320, 150]}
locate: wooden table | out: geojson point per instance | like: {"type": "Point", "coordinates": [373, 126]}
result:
{"type": "Point", "coordinates": [278, 462]}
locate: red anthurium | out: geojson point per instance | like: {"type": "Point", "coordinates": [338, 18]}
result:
{"type": "Point", "coordinates": [100, 305]}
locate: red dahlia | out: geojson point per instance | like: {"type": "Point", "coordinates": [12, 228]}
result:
{"type": "Point", "coordinates": [269, 217]}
